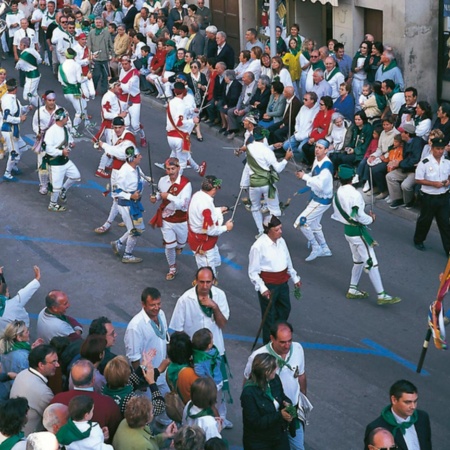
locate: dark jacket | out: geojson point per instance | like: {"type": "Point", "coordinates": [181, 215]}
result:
{"type": "Point", "coordinates": [411, 154]}
{"type": "Point", "coordinates": [226, 55]}
{"type": "Point", "coordinates": [197, 44]}
{"type": "Point", "coordinates": [128, 20]}
{"type": "Point", "coordinates": [295, 105]}
{"type": "Point", "coordinates": [360, 140]}
{"type": "Point", "coordinates": [231, 98]}
{"type": "Point", "coordinates": [422, 427]}
{"type": "Point", "coordinates": [264, 426]}
{"type": "Point", "coordinates": [210, 48]}
{"type": "Point", "coordinates": [263, 99]}
{"type": "Point", "coordinates": [219, 89]}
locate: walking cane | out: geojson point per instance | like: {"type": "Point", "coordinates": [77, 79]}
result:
{"type": "Point", "coordinates": [235, 205]}
{"type": "Point", "coordinates": [151, 171]}
{"type": "Point", "coordinates": [263, 320]}
{"type": "Point", "coordinates": [289, 132]}
{"type": "Point", "coordinates": [371, 193]}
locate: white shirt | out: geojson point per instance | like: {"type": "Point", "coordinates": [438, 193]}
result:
{"type": "Point", "coordinates": [348, 198]}
{"type": "Point", "coordinates": [13, 19]}
{"type": "Point", "coordinates": [49, 326]}
{"type": "Point", "coordinates": [265, 158]}
{"type": "Point", "coordinates": [72, 71]}
{"type": "Point", "coordinates": [207, 423]}
{"type": "Point", "coordinates": [410, 436]}
{"type": "Point", "coordinates": [127, 181]}
{"type": "Point", "coordinates": [54, 138]}
{"type": "Point", "coordinates": [396, 102]}
{"type": "Point", "coordinates": [177, 202]}
{"type": "Point", "coordinates": [26, 66]}
{"type": "Point", "coordinates": [15, 306]}
{"type": "Point", "coordinates": [269, 256]}
{"type": "Point", "coordinates": [132, 85]}
{"type": "Point", "coordinates": [110, 106]}
{"type": "Point", "coordinates": [21, 33]}
{"type": "Point", "coordinates": [321, 184]}
{"type": "Point", "coordinates": [255, 68]}
{"type": "Point", "coordinates": [335, 82]}
{"type": "Point", "coordinates": [189, 317]}
{"type": "Point", "coordinates": [95, 440]}
{"type": "Point", "coordinates": [432, 170]}
{"type": "Point", "coordinates": [140, 337]}
{"type": "Point", "coordinates": [304, 121]}
{"type": "Point", "coordinates": [200, 202]}
{"type": "Point", "coordinates": [178, 111]}
{"type": "Point", "coordinates": [296, 361]}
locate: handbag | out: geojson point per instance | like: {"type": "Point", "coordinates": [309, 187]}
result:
{"type": "Point", "coordinates": [174, 406]}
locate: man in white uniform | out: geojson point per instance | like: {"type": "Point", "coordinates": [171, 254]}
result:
{"type": "Point", "coordinates": [122, 139]}
{"type": "Point", "coordinates": [130, 98]}
{"type": "Point", "coordinates": [58, 143]}
{"type": "Point", "coordinates": [205, 224]}
{"type": "Point", "coordinates": [260, 175]}
{"type": "Point", "coordinates": [320, 185]}
{"type": "Point", "coordinates": [28, 63]}
{"type": "Point", "coordinates": [204, 306]}
{"type": "Point", "coordinates": [13, 114]}
{"type": "Point", "coordinates": [129, 192]}
{"type": "Point", "coordinates": [174, 191]}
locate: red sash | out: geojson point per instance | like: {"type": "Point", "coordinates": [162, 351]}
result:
{"type": "Point", "coordinates": [130, 98]}
{"type": "Point", "coordinates": [177, 133]}
{"type": "Point", "coordinates": [179, 216]}
{"type": "Point", "coordinates": [85, 69]}
{"type": "Point", "coordinates": [275, 277]}
{"type": "Point", "coordinates": [201, 243]}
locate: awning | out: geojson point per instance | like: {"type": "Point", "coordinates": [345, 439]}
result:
{"type": "Point", "coordinates": [332, 2]}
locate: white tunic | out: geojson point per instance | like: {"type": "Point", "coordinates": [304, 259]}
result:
{"type": "Point", "coordinates": [72, 71]}
{"type": "Point", "coordinates": [189, 317]}
{"type": "Point", "coordinates": [201, 202]}
{"type": "Point", "coordinates": [268, 256]}
{"type": "Point", "coordinates": [132, 85]}
{"type": "Point", "coordinates": [13, 19]}
{"type": "Point", "coordinates": [177, 202]}
{"type": "Point", "coordinates": [348, 198]}
{"type": "Point", "coordinates": [55, 138]}
{"type": "Point", "coordinates": [178, 111]}
{"type": "Point", "coordinates": [321, 184]}
{"type": "Point", "coordinates": [110, 106]}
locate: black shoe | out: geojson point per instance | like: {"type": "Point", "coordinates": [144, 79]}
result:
{"type": "Point", "coordinates": [419, 246]}
{"type": "Point", "coordinates": [409, 205]}
{"type": "Point", "coordinates": [396, 203]}
{"type": "Point", "coordinates": [223, 130]}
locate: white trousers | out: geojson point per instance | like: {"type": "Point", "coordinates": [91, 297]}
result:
{"type": "Point", "coordinates": [174, 234]}
{"type": "Point", "coordinates": [313, 214]}
{"type": "Point", "coordinates": [30, 89]}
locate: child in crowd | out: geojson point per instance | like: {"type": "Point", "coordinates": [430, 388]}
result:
{"type": "Point", "coordinates": [80, 433]}
{"type": "Point", "coordinates": [395, 152]}
{"type": "Point", "coordinates": [207, 360]}
{"type": "Point", "coordinates": [366, 93]}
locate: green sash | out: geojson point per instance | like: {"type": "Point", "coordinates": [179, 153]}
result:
{"type": "Point", "coordinates": [69, 433]}
{"type": "Point", "coordinates": [68, 88]}
{"type": "Point", "coordinates": [261, 177]}
{"type": "Point", "coordinates": [9, 443]}
{"type": "Point", "coordinates": [30, 59]}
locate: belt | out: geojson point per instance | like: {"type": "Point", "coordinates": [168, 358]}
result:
{"type": "Point", "coordinates": [435, 195]}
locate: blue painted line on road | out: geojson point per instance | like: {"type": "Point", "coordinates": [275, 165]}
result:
{"type": "Point", "coordinates": [373, 350]}
{"type": "Point", "coordinates": [17, 237]}
{"type": "Point", "coordinates": [88, 185]}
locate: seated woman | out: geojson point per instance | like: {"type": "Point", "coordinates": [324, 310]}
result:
{"type": "Point", "coordinates": [265, 418]}
{"type": "Point", "coordinates": [261, 97]}
{"type": "Point", "coordinates": [232, 92]}
{"type": "Point", "coordinates": [133, 431]}
{"type": "Point", "coordinates": [180, 372]}
{"type": "Point", "coordinates": [422, 120]}
{"type": "Point", "coordinates": [360, 137]}
{"type": "Point", "coordinates": [336, 138]}
{"type": "Point", "coordinates": [200, 410]}
{"type": "Point", "coordinates": [121, 382]}
{"type": "Point", "coordinates": [345, 104]}
{"type": "Point", "coordinates": [276, 106]}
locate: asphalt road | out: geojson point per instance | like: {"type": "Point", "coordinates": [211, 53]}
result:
{"type": "Point", "coordinates": [354, 349]}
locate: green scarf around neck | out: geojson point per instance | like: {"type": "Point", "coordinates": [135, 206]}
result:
{"type": "Point", "coordinates": [267, 391]}
{"type": "Point", "coordinates": [390, 66]}
{"type": "Point", "coordinates": [3, 300]}
{"type": "Point", "coordinates": [202, 413]}
{"type": "Point", "coordinates": [173, 371]}
{"type": "Point", "coordinates": [388, 416]}
{"type": "Point", "coordinates": [20, 346]}
{"type": "Point", "coordinates": [9, 443]}
{"type": "Point", "coordinates": [206, 309]}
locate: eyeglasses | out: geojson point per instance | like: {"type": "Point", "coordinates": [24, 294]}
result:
{"type": "Point", "coordinates": [314, 56]}
{"type": "Point", "coordinates": [63, 21]}
{"type": "Point", "coordinates": [322, 104]}
{"type": "Point", "coordinates": [392, 447]}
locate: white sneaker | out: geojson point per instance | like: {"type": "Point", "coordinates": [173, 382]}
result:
{"type": "Point", "coordinates": [325, 251]}
{"type": "Point", "coordinates": [316, 252]}
{"type": "Point", "coordinates": [388, 199]}
{"type": "Point", "coordinates": [355, 179]}
{"type": "Point", "coordinates": [227, 424]}
{"type": "Point", "coordinates": [366, 187]}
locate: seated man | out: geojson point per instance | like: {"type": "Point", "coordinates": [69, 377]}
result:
{"type": "Point", "coordinates": [401, 180]}
{"type": "Point", "coordinates": [52, 320]}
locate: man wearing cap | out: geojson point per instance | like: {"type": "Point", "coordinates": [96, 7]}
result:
{"type": "Point", "coordinates": [320, 186]}
{"type": "Point", "coordinates": [13, 114]}
{"type": "Point", "coordinates": [401, 179]}
{"type": "Point", "coordinates": [260, 174]}
{"type": "Point", "coordinates": [179, 127]}
{"type": "Point", "coordinates": [269, 269]}
{"type": "Point", "coordinates": [129, 189]}
{"type": "Point", "coordinates": [122, 140]}
{"type": "Point", "coordinates": [130, 97]}
{"type": "Point", "coordinates": [111, 108]}
{"type": "Point", "coordinates": [433, 174]}
{"type": "Point", "coordinates": [102, 47]}
{"type": "Point", "coordinates": [83, 59]}
{"type": "Point", "coordinates": [28, 63]}
{"type": "Point", "coordinates": [348, 205]}
{"type": "Point", "coordinates": [205, 224]}
{"type": "Point", "coordinates": [174, 191]}
{"type": "Point", "coordinates": [43, 119]}
{"type": "Point", "coordinates": [58, 143]}
{"type": "Point", "coordinates": [71, 78]}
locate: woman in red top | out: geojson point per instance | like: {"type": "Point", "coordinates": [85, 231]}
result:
{"type": "Point", "coordinates": [320, 128]}
{"type": "Point", "coordinates": [157, 64]}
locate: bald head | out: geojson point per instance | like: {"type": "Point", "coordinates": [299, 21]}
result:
{"type": "Point", "coordinates": [55, 416]}
{"type": "Point", "coordinates": [42, 441]}
{"type": "Point", "coordinates": [380, 438]}
{"type": "Point", "coordinates": [288, 92]}
{"type": "Point", "coordinates": [83, 374]}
